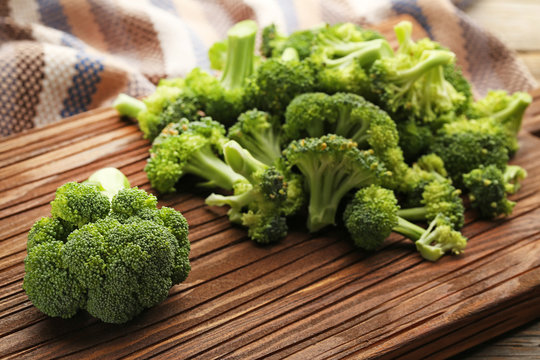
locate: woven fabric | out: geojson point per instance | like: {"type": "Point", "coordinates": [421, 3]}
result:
{"type": "Point", "coordinates": [62, 57]}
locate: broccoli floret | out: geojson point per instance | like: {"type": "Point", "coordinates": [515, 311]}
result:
{"type": "Point", "coordinates": [190, 148]}
{"type": "Point", "coordinates": [465, 145]}
{"type": "Point", "coordinates": [414, 139]}
{"type": "Point", "coordinates": [412, 84]}
{"type": "Point", "coordinates": [276, 82]}
{"type": "Point", "coordinates": [262, 205]}
{"type": "Point", "coordinates": [258, 132]}
{"type": "Point", "coordinates": [274, 43]}
{"type": "Point", "coordinates": [438, 197]}
{"type": "Point", "coordinates": [115, 265]}
{"type": "Point", "coordinates": [351, 116]}
{"type": "Point", "coordinates": [332, 166]}
{"type": "Point", "coordinates": [373, 214]}
{"type": "Point", "coordinates": [342, 53]}
{"type": "Point", "coordinates": [488, 187]}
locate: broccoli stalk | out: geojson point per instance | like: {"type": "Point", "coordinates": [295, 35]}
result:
{"type": "Point", "coordinates": [129, 106]}
{"type": "Point", "coordinates": [373, 214]}
{"type": "Point", "coordinates": [332, 166]}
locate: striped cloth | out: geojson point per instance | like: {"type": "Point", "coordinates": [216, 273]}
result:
{"type": "Point", "coordinates": [62, 57]}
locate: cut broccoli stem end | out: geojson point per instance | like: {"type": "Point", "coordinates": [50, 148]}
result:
{"type": "Point", "coordinates": [241, 161]}
{"type": "Point", "coordinates": [236, 202]}
{"type": "Point", "coordinates": [290, 54]}
{"type": "Point", "coordinates": [109, 181]}
{"type": "Point", "coordinates": [240, 54]}
{"type": "Point", "coordinates": [206, 164]}
{"type": "Point", "coordinates": [128, 106]}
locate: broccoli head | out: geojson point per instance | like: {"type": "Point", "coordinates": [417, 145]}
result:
{"type": "Point", "coordinates": [332, 166]}
{"type": "Point", "coordinates": [115, 265]}
{"type": "Point", "coordinates": [258, 132]}
{"type": "Point", "coordinates": [190, 148]}
{"type": "Point", "coordinates": [372, 215]}
{"type": "Point", "coordinates": [488, 187]}
{"type": "Point", "coordinates": [274, 43]}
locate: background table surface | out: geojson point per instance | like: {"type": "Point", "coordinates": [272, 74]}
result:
{"type": "Point", "coordinates": [517, 23]}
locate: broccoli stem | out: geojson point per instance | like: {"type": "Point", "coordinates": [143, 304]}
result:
{"type": "Point", "coordinates": [128, 106]}
{"type": "Point", "coordinates": [344, 125]}
{"type": "Point", "coordinates": [512, 115]}
{"type": "Point", "coordinates": [413, 214]}
{"type": "Point", "coordinates": [408, 229]}
{"type": "Point", "coordinates": [290, 54]}
{"type": "Point", "coordinates": [206, 164]}
{"type": "Point", "coordinates": [430, 59]}
{"type": "Point", "coordinates": [236, 203]}
{"type": "Point", "coordinates": [365, 52]}
{"type": "Point", "coordinates": [241, 161]}
{"type": "Point", "coordinates": [240, 54]}
{"type": "Point", "coordinates": [512, 177]}
{"type": "Point", "coordinates": [109, 180]}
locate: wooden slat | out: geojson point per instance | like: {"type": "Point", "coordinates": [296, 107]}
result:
{"type": "Point", "coordinates": [310, 296]}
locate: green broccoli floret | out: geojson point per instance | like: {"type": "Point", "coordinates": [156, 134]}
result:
{"type": "Point", "coordinates": [465, 145]}
{"type": "Point", "coordinates": [277, 81]}
{"type": "Point", "coordinates": [332, 166]}
{"type": "Point", "coordinates": [373, 214]}
{"type": "Point", "coordinates": [351, 116]}
{"type": "Point", "coordinates": [438, 197]}
{"type": "Point", "coordinates": [342, 54]}
{"type": "Point", "coordinates": [274, 43]}
{"type": "Point", "coordinates": [414, 139]}
{"type": "Point", "coordinates": [412, 85]}
{"type": "Point", "coordinates": [258, 132]}
{"type": "Point", "coordinates": [190, 148]}
{"type": "Point", "coordinates": [115, 265]}
{"type": "Point", "coordinates": [262, 205]}
{"type": "Point", "coordinates": [488, 187]}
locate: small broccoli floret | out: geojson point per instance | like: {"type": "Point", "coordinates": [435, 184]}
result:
{"type": "Point", "coordinates": [415, 139]}
{"type": "Point", "coordinates": [258, 132]}
{"type": "Point", "coordinates": [465, 145]}
{"type": "Point", "coordinates": [332, 166]}
{"type": "Point", "coordinates": [432, 163]}
{"type": "Point", "coordinates": [373, 214]}
{"type": "Point", "coordinates": [342, 53]}
{"type": "Point", "coordinates": [488, 187]}
{"type": "Point", "coordinates": [274, 43]}
{"type": "Point", "coordinates": [412, 85]}
{"type": "Point", "coordinates": [190, 148]}
{"type": "Point", "coordinates": [79, 203]}
{"type": "Point", "coordinates": [115, 265]}
{"type": "Point", "coordinates": [276, 82]}
{"type": "Point", "coordinates": [439, 197]}
{"type": "Point", "coordinates": [262, 205]}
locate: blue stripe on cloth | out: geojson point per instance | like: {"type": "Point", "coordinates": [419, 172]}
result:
{"type": "Point", "coordinates": [411, 7]}
{"type": "Point", "coordinates": [289, 13]}
{"type": "Point", "coordinates": [200, 51]}
{"type": "Point", "coordinates": [52, 15]}
{"type": "Point", "coordinates": [84, 84]}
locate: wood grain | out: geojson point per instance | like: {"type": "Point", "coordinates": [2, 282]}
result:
{"type": "Point", "coordinates": [310, 296]}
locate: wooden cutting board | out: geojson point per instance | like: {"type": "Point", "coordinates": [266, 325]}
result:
{"type": "Point", "coordinates": [310, 296]}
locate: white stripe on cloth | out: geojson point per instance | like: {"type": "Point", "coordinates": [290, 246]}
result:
{"type": "Point", "coordinates": [58, 78]}
{"type": "Point", "coordinates": [268, 12]}
{"type": "Point", "coordinates": [24, 11]}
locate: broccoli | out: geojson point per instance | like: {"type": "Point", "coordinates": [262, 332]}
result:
{"type": "Point", "coordinates": [342, 53]}
{"type": "Point", "coordinates": [275, 82]}
{"type": "Point", "coordinates": [274, 43]}
{"type": "Point", "coordinates": [373, 214]}
{"type": "Point", "coordinates": [488, 187]}
{"type": "Point", "coordinates": [351, 116]}
{"type": "Point", "coordinates": [438, 197]}
{"type": "Point", "coordinates": [263, 205]}
{"type": "Point", "coordinates": [199, 93]}
{"type": "Point", "coordinates": [332, 166]}
{"type": "Point", "coordinates": [414, 139]}
{"type": "Point", "coordinates": [258, 132]}
{"type": "Point", "coordinates": [411, 85]}
{"type": "Point", "coordinates": [113, 264]}
{"type": "Point", "coordinates": [465, 145]}
{"type": "Point", "coordinates": [190, 148]}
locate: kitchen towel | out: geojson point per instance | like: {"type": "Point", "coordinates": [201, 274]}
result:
{"type": "Point", "coordinates": [62, 57]}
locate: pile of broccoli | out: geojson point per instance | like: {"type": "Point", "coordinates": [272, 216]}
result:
{"type": "Point", "coordinates": [332, 125]}
{"type": "Point", "coordinates": [107, 249]}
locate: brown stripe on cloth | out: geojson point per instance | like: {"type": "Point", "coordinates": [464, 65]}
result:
{"type": "Point", "coordinates": [338, 11]}
{"type": "Point", "coordinates": [4, 8]}
{"type": "Point", "coordinates": [83, 23]}
{"type": "Point", "coordinates": [113, 80]}
{"type": "Point", "coordinates": [131, 36]}
{"type": "Point", "coordinates": [10, 30]}
{"type": "Point", "coordinates": [21, 77]}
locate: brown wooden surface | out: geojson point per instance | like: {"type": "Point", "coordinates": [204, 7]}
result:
{"type": "Point", "coordinates": [310, 296]}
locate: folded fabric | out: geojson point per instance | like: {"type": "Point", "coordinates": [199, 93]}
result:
{"type": "Point", "coordinates": [62, 57]}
